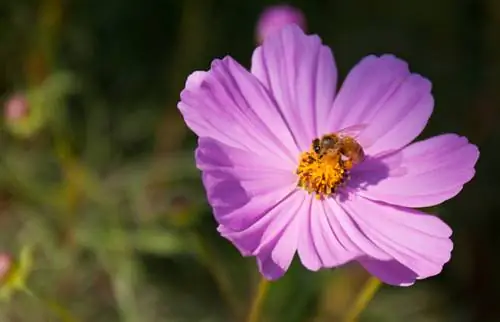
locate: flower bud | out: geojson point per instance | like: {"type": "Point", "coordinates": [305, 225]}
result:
{"type": "Point", "coordinates": [16, 108]}
{"type": "Point", "coordinates": [276, 17]}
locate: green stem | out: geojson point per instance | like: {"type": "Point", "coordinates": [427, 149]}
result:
{"type": "Point", "coordinates": [58, 310]}
{"type": "Point", "coordinates": [123, 282]}
{"type": "Point", "coordinates": [258, 301]}
{"type": "Point", "coordinates": [362, 299]}
{"type": "Point", "coordinates": [208, 258]}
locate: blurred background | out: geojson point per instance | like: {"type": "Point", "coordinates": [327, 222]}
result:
{"type": "Point", "coordinates": [101, 206]}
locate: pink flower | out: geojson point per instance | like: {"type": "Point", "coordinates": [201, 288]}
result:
{"type": "Point", "coordinates": [276, 17]}
{"type": "Point", "coordinates": [255, 134]}
{"type": "Point", "coordinates": [16, 108]}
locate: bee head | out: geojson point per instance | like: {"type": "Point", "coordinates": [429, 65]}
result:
{"type": "Point", "coordinates": [316, 145]}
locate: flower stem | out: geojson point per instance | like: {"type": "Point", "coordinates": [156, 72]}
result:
{"type": "Point", "coordinates": [53, 306]}
{"type": "Point", "coordinates": [362, 299]}
{"type": "Point", "coordinates": [258, 301]}
{"type": "Point", "coordinates": [208, 258]}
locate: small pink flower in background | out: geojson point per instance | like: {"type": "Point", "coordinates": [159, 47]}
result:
{"type": "Point", "coordinates": [5, 266]}
{"type": "Point", "coordinates": [275, 195]}
{"type": "Point", "coordinates": [276, 17]}
{"type": "Point", "coordinates": [16, 107]}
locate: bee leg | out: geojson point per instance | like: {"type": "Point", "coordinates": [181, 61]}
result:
{"type": "Point", "coordinates": [348, 164]}
{"type": "Point", "coordinates": [345, 178]}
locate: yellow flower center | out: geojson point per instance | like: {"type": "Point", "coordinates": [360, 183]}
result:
{"type": "Point", "coordinates": [321, 173]}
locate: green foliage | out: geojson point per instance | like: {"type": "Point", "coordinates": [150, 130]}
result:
{"type": "Point", "coordinates": [17, 276]}
{"type": "Point", "coordinates": [45, 106]}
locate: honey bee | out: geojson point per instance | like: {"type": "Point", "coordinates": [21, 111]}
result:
{"type": "Point", "coordinates": [340, 146]}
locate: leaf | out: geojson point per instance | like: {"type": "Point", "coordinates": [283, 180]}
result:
{"type": "Point", "coordinates": [159, 241]}
{"type": "Point", "coordinates": [146, 240]}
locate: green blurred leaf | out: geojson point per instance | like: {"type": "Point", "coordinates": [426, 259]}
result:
{"type": "Point", "coordinates": [159, 241]}
{"type": "Point", "coordinates": [150, 240]}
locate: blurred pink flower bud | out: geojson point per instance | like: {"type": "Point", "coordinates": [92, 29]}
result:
{"type": "Point", "coordinates": [16, 107]}
{"type": "Point", "coordinates": [5, 265]}
{"type": "Point", "coordinates": [276, 17]}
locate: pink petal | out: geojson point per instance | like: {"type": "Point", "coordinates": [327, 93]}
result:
{"type": "Point", "coordinates": [382, 93]}
{"type": "Point", "coordinates": [390, 272]}
{"type": "Point", "coordinates": [240, 186]}
{"type": "Point", "coordinates": [348, 232]}
{"type": "Point", "coordinates": [310, 254]}
{"type": "Point", "coordinates": [418, 241]}
{"type": "Point", "coordinates": [230, 105]}
{"type": "Point", "coordinates": [423, 174]}
{"type": "Point", "coordinates": [323, 241]}
{"type": "Point", "coordinates": [301, 75]}
{"type": "Point", "coordinates": [273, 237]}
{"type": "Point", "coordinates": [275, 260]}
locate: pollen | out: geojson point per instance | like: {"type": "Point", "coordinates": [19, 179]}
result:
{"type": "Point", "coordinates": [321, 175]}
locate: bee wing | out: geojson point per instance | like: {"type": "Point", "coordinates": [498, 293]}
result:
{"type": "Point", "coordinates": [352, 131]}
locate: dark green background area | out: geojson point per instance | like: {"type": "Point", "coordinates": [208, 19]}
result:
{"type": "Point", "coordinates": [130, 60]}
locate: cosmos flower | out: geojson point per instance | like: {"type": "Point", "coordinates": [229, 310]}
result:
{"type": "Point", "coordinates": [274, 196]}
{"type": "Point", "coordinates": [276, 17]}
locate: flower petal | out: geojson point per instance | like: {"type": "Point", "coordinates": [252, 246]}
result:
{"type": "Point", "coordinates": [423, 174]}
{"type": "Point", "coordinates": [381, 93]}
{"type": "Point", "coordinates": [240, 186]}
{"type": "Point", "coordinates": [230, 105]}
{"type": "Point", "coordinates": [418, 241]}
{"type": "Point", "coordinates": [301, 75]}
{"type": "Point", "coordinates": [348, 232]}
{"type": "Point", "coordinates": [390, 272]}
{"type": "Point", "coordinates": [273, 237]}
{"type": "Point", "coordinates": [323, 241]}
{"type": "Point", "coordinates": [308, 252]}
